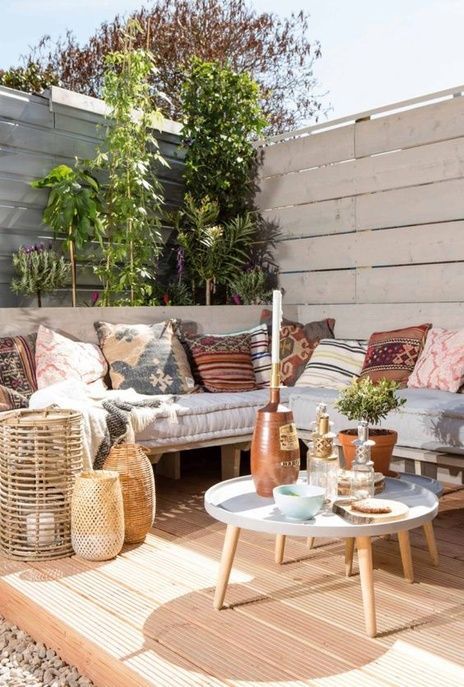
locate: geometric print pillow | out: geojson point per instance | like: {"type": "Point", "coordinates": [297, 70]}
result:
{"type": "Point", "coordinates": [334, 364]}
{"type": "Point", "coordinates": [441, 363]}
{"type": "Point", "coordinates": [393, 354]}
{"type": "Point", "coordinates": [17, 364]}
{"type": "Point", "coordinates": [148, 358]}
{"type": "Point", "coordinates": [11, 400]}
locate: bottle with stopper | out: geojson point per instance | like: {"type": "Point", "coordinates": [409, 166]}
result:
{"type": "Point", "coordinates": [362, 469]}
{"type": "Point", "coordinates": [323, 465]}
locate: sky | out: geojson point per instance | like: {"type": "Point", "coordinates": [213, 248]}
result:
{"type": "Point", "coordinates": [374, 52]}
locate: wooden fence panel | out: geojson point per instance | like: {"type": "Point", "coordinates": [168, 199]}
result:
{"type": "Point", "coordinates": [38, 132]}
{"type": "Point", "coordinates": [371, 214]}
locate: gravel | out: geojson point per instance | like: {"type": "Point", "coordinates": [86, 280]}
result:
{"type": "Point", "coordinates": [25, 663]}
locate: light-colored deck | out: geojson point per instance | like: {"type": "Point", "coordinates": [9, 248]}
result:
{"type": "Point", "coordinates": [146, 618]}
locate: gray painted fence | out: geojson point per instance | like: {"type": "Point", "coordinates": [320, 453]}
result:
{"type": "Point", "coordinates": [37, 133]}
{"type": "Point", "coordinates": [371, 209]}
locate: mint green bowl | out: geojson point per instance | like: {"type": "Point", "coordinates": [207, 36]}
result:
{"type": "Point", "coordinates": [299, 501]}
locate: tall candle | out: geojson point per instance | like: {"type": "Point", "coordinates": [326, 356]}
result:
{"type": "Point", "coordinates": [276, 322]}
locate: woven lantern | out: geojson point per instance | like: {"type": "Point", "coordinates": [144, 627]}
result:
{"type": "Point", "coordinates": [138, 489]}
{"type": "Point", "coordinates": [40, 456]}
{"type": "Point", "coordinates": [97, 515]}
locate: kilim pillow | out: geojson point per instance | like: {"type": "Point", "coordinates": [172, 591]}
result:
{"type": "Point", "coordinates": [441, 363]}
{"type": "Point", "coordinates": [148, 358]}
{"type": "Point", "coordinates": [334, 363]}
{"type": "Point", "coordinates": [11, 400]}
{"type": "Point", "coordinates": [222, 363]}
{"type": "Point", "coordinates": [17, 364]}
{"type": "Point", "coordinates": [58, 358]}
{"type": "Point", "coordinates": [260, 356]}
{"type": "Point", "coordinates": [297, 343]}
{"type": "Point", "coordinates": [393, 354]}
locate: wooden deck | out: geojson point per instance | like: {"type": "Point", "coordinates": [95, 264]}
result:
{"type": "Point", "coordinates": [146, 618]}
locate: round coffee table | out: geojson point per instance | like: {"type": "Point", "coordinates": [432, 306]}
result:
{"type": "Point", "coordinates": [236, 503]}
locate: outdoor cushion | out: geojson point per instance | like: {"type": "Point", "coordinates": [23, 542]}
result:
{"type": "Point", "coordinates": [441, 363]}
{"type": "Point", "coordinates": [58, 358]}
{"type": "Point", "coordinates": [297, 343]}
{"type": "Point", "coordinates": [393, 354]}
{"type": "Point", "coordinates": [334, 363]}
{"type": "Point", "coordinates": [148, 358]}
{"type": "Point", "coordinates": [221, 363]}
{"type": "Point", "coordinates": [430, 419]}
{"type": "Point", "coordinates": [11, 400]}
{"type": "Point", "coordinates": [17, 364]}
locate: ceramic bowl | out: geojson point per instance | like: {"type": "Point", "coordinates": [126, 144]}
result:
{"type": "Point", "coordinates": [299, 501]}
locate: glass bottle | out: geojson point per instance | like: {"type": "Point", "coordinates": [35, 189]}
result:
{"type": "Point", "coordinates": [323, 465]}
{"type": "Point", "coordinates": [362, 469]}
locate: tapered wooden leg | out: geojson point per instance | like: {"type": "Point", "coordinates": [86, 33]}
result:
{"type": "Point", "coordinates": [279, 549]}
{"type": "Point", "coordinates": [366, 573]}
{"type": "Point", "coordinates": [311, 542]}
{"type": "Point", "coordinates": [227, 559]}
{"type": "Point", "coordinates": [406, 557]}
{"type": "Point", "coordinates": [349, 550]}
{"type": "Point", "coordinates": [431, 543]}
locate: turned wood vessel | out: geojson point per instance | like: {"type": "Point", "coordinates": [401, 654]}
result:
{"type": "Point", "coordinates": [275, 452]}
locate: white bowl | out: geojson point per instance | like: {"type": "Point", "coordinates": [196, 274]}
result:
{"type": "Point", "coordinates": [299, 501]}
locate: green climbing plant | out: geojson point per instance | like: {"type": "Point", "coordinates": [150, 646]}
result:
{"type": "Point", "coordinates": [131, 242]}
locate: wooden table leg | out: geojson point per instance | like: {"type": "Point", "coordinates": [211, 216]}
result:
{"type": "Point", "coordinates": [349, 550]}
{"type": "Point", "coordinates": [366, 573]}
{"type": "Point", "coordinates": [227, 558]}
{"type": "Point", "coordinates": [431, 543]}
{"type": "Point", "coordinates": [311, 542]}
{"type": "Point", "coordinates": [279, 549]}
{"type": "Point", "coordinates": [406, 557]}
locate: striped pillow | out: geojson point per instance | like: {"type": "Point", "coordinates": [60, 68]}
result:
{"type": "Point", "coordinates": [334, 363]}
{"type": "Point", "coordinates": [222, 363]}
{"type": "Point", "coordinates": [260, 356]}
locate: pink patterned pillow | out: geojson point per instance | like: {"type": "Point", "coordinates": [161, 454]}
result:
{"type": "Point", "coordinates": [58, 358]}
{"type": "Point", "coordinates": [441, 363]}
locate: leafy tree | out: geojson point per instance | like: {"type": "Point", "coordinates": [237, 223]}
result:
{"type": "Point", "coordinates": [221, 113]}
{"type": "Point", "coordinates": [276, 51]}
{"type": "Point", "coordinates": [32, 78]}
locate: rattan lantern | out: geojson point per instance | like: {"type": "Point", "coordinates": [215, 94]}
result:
{"type": "Point", "coordinates": [138, 489]}
{"type": "Point", "coordinates": [40, 456]}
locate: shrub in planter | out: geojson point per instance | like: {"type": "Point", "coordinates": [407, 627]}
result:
{"type": "Point", "coordinates": [364, 400]}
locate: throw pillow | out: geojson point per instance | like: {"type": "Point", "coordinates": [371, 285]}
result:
{"type": "Point", "coordinates": [148, 358]}
{"type": "Point", "coordinates": [297, 343]}
{"type": "Point", "coordinates": [222, 363]}
{"type": "Point", "coordinates": [393, 355]}
{"type": "Point", "coordinates": [58, 358]}
{"type": "Point", "coordinates": [441, 363]}
{"type": "Point", "coordinates": [11, 400]}
{"type": "Point", "coordinates": [334, 363]}
{"type": "Point", "coordinates": [17, 364]}
{"type": "Point", "coordinates": [260, 356]}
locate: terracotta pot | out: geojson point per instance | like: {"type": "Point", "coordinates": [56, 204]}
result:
{"type": "Point", "coordinates": [385, 440]}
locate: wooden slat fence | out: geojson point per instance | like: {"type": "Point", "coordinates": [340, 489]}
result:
{"type": "Point", "coordinates": [371, 210]}
{"type": "Point", "coordinates": [37, 133]}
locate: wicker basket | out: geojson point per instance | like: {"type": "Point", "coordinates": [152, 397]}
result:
{"type": "Point", "coordinates": [138, 489]}
{"type": "Point", "coordinates": [97, 515]}
{"type": "Point", "coordinates": [40, 456]}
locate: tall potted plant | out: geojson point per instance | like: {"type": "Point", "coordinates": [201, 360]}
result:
{"type": "Point", "coordinates": [364, 400]}
{"type": "Point", "coordinates": [73, 211]}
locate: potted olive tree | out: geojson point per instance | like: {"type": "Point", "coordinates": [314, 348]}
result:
{"type": "Point", "coordinates": [364, 400]}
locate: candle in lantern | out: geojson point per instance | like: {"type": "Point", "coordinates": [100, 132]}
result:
{"type": "Point", "coordinates": [40, 529]}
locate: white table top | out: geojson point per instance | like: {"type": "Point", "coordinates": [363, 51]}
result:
{"type": "Point", "coordinates": [235, 502]}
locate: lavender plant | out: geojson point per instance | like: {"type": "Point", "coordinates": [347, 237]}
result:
{"type": "Point", "coordinates": [38, 270]}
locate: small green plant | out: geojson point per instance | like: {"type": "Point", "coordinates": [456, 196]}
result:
{"type": "Point", "coordinates": [132, 193]}
{"type": "Point", "coordinates": [72, 211]}
{"type": "Point", "coordinates": [251, 287]}
{"type": "Point", "coordinates": [364, 400]}
{"type": "Point", "coordinates": [39, 270]}
{"type": "Point", "coordinates": [222, 114]}
{"type": "Point", "coordinates": [214, 253]}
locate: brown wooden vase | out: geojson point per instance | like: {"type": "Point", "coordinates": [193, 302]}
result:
{"type": "Point", "coordinates": [275, 452]}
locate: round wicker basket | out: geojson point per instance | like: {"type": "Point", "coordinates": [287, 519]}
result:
{"type": "Point", "coordinates": [97, 515]}
{"type": "Point", "coordinates": [138, 489]}
{"type": "Point", "coordinates": [40, 456]}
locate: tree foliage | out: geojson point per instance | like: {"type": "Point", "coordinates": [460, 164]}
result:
{"type": "Point", "coordinates": [364, 400]}
{"type": "Point", "coordinates": [38, 270]}
{"type": "Point", "coordinates": [276, 51]}
{"type": "Point", "coordinates": [221, 114]}
{"type": "Point", "coordinates": [32, 77]}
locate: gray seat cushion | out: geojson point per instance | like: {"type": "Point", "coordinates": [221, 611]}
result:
{"type": "Point", "coordinates": [430, 419]}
